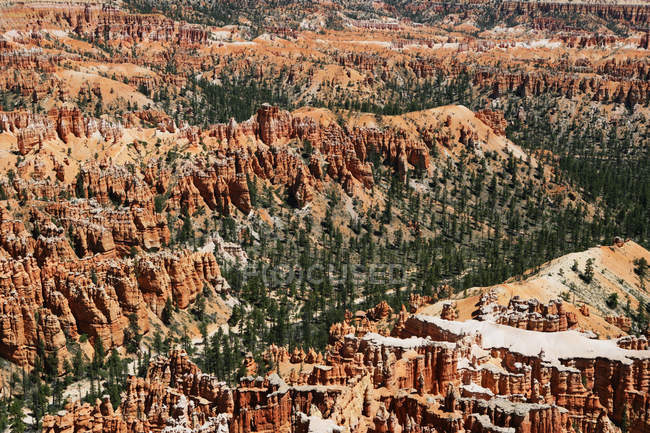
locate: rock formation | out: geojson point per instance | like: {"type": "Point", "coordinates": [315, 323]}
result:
{"type": "Point", "coordinates": [119, 176]}
{"type": "Point", "coordinates": [525, 314]}
{"type": "Point", "coordinates": [72, 280]}
{"type": "Point", "coordinates": [494, 119]}
{"type": "Point", "coordinates": [438, 375]}
{"type": "Point", "coordinates": [32, 130]}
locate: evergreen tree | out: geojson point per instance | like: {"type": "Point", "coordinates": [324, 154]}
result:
{"type": "Point", "coordinates": [16, 415]}
{"type": "Point", "coordinates": [167, 312]}
{"type": "Point", "coordinates": [132, 334]}
{"type": "Point", "coordinates": [115, 377]}
{"type": "Point", "coordinates": [588, 275]}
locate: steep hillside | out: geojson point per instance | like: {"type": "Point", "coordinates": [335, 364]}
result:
{"type": "Point", "coordinates": [129, 193]}
{"type": "Point", "coordinates": [603, 287]}
{"type": "Point", "coordinates": [387, 372]}
{"type": "Point", "coordinates": [193, 192]}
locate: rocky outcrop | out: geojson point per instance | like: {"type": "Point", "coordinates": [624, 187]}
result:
{"type": "Point", "coordinates": [67, 279]}
{"type": "Point", "coordinates": [95, 229]}
{"type": "Point", "coordinates": [611, 81]}
{"type": "Point", "coordinates": [449, 311]}
{"type": "Point", "coordinates": [494, 119]}
{"type": "Point", "coordinates": [257, 148]}
{"type": "Point", "coordinates": [437, 375]}
{"type": "Point", "coordinates": [578, 383]}
{"type": "Point", "coordinates": [107, 23]}
{"type": "Point", "coordinates": [636, 14]}
{"type": "Point", "coordinates": [32, 130]}
{"type": "Point", "coordinates": [361, 62]}
{"type": "Point", "coordinates": [104, 22]}
{"type": "Point", "coordinates": [240, 153]}
{"type": "Point", "coordinates": [178, 276]}
{"type": "Point", "coordinates": [70, 121]}
{"type": "Point", "coordinates": [380, 312]}
{"type": "Point", "coordinates": [176, 395]}
{"type": "Point", "coordinates": [416, 301]}
{"type": "Point", "coordinates": [620, 321]}
{"type": "Point", "coordinates": [528, 84]}
{"type": "Point", "coordinates": [525, 313]}
{"type": "Point", "coordinates": [110, 184]}
{"type": "Point", "coordinates": [80, 248]}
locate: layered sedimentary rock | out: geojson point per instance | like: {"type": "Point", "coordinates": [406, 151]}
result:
{"type": "Point", "coordinates": [638, 14]}
{"type": "Point", "coordinates": [180, 277]}
{"type": "Point", "coordinates": [176, 395]}
{"type": "Point", "coordinates": [258, 148]}
{"type": "Point", "coordinates": [92, 225]}
{"type": "Point", "coordinates": [70, 121]}
{"type": "Point", "coordinates": [525, 313]}
{"type": "Point", "coordinates": [32, 130]}
{"type": "Point", "coordinates": [533, 84]}
{"type": "Point", "coordinates": [564, 368]}
{"type": "Point", "coordinates": [620, 321]}
{"type": "Point", "coordinates": [219, 181]}
{"type": "Point", "coordinates": [69, 278]}
{"type": "Point", "coordinates": [86, 226]}
{"type": "Point", "coordinates": [96, 21]}
{"type": "Point", "coordinates": [438, 375]}
{"type": "Point", "coordinates": [494, 119]}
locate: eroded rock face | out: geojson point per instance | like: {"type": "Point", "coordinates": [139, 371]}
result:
{"type": "Point", "coordinates": [96, 21]}
{"type": "Point", "coordinates": [258, 148]}
{"type": "Point", "coordinates": [175, 394]}
{"type": "Point", "coordinates": [77, 249]}
{"type": "Point", "coordinates": [95, 229]}
{"type": "Point", "coordinates": [527, 314]}
{"type": "Point", "coordinates": [632, 13]}
{"type": "Point", "coordinates": [437, 375]}
{"type": "Point", "coordinates": [587, 388]}
{"type": "Point", "coordinates": [72, 280]}
{"type": "Point", "coordinates": [255, 149]}
{"type": "Point", "coordinates": [620, 321]}
{"type": "Point", "coordinates": [494, 119]}
{"type": "Point", "coordinates": [534, 84]}
{"type": "Point", "coordinates": [180, 277]}
{"type": "Point", "coordinates": [32, 130]}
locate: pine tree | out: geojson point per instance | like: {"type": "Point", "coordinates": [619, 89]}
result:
{"type": "Point", "coordinates": [186, 232]}
{"type": "Point", "coordinates": [16, 415]}
{"type": "Point", "coordinates": [167, 312]}
{"type": "Point", "coordinates": [79, 186]}
{"type": "Point", "coordinates": [625, 422]}
{"type": "Point", "coordinates": [38, 403]}
{"type": "Point", "coordinates": [641, 269]}
{"type": "Point", "coordinates": [98, 358]}
{"type": "Point", "coordinates": [115, 380]}
{"type": "Point", "coordinates": [132, 334]}
{"type": "Point", "coordinates": [157, 343]}
{"type": "Point", "coordinates": [199, 308]}
{"type": "Point", "coordinates": [588, 275]}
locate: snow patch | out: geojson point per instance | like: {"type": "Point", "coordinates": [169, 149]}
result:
{"type": "Point", "coordinates": [403, 343]}
{"type": "Point", "coordinates": [553, 346]}
{"type": "Point", "coordinates": [319, 425]}
{"type": "Point", "coordinates": [476, 389]}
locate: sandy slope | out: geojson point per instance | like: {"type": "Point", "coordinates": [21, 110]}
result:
{"type": "Point", "coordinates": [613, 273]}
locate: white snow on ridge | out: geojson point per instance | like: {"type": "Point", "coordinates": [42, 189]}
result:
{"type": "Point", "coordinates": [317, 424]}
{"type": "Point", "coordinates": [555, 345]}
{"type": "Point", "coordinates": [475, 388]}
{"type": "Point", "coordinates": [402, 343]}
{"type": "Point", "coordinates": [540, 43]}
